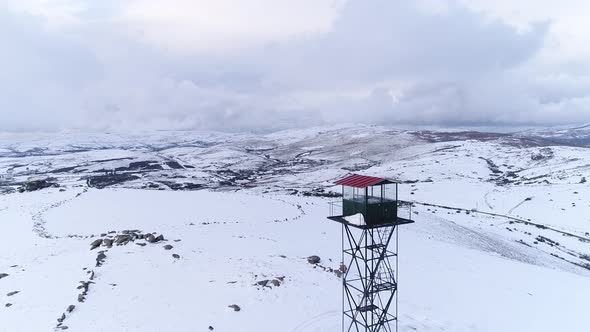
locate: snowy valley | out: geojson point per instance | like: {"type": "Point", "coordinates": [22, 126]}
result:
{"type": "Point", "coordinates": [200, 231]}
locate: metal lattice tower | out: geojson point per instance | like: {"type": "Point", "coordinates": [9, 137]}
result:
{"type": "Point", "coordinates": [369, 253]}
{"type": "Point", "coordinates": [370, 281]}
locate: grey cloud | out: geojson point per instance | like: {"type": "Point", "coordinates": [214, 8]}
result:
{"type": "Point", "coordinates": [451, 68]}
{"type": "Point", "coordinates": [41, 74]}
{"type": "Point", "coordinates": [381, 39]}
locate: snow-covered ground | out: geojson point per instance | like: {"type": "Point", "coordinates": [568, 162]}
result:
{"type": "Point", "coordinates": [500, 240]}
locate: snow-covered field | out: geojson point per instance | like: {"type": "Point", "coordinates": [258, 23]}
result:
{"type": "Point", "coordinates": [501, 240]}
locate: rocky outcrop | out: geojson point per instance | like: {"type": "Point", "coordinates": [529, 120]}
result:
{"type": "Point", "coordinates": [109, 179]}
{"type": "Point", "coordinates": [125, 237]}
{"type": "Point", "coordinates": [36, 185]}
{"type": "Point", "coordinates": [269, 283]}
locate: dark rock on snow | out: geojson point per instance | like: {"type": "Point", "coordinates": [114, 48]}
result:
{"type": "Point", "coordinates": [262, 283]}
{"type": "Point", "coordinates": [95, 244]}
{"type": "Point", "coordinates": [100, 258]}
{"type": "Point", "coordinates": [235, 307]}
{"type": "Point", "coordinates": [313, 259]}
{"type": "Point", "coordinates": [122, 239]}
{"type": "Point", "coordinates": [343, 268]}
{"type": "Point", "coordinates": [84, 285]}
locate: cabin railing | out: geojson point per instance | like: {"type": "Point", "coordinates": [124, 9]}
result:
{"type": "Point", "coordinates": [335, 208]}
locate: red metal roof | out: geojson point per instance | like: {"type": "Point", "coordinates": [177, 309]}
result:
{"type": "Point", "coordinates": [361, 181]}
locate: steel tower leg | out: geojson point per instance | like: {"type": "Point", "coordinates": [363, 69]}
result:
{"type": "Point", "coordinates": [370, 281]}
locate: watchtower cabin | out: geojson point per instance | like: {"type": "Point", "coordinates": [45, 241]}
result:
{"type": "Point", "coordinates": [368, 213]}
{"type": "Point", "coordinates": [367, 201]}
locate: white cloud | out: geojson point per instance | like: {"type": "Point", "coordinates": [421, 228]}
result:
{"type": "Point", "coordinates": [197, 26]}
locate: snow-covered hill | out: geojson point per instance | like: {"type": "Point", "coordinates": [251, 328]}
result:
{"type": "Point", "coordinates": [501, 240]}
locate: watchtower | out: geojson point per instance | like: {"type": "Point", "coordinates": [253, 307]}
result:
{"type": "Point", "coordinates": [368, 213]}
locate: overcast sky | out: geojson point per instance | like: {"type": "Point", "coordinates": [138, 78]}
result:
{"type": "Point", "coordinates": [273, 64]}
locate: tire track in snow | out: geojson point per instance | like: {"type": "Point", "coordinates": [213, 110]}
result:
{"type": "Point", "coordinates": [318, 323]}
{"type": "Point", "coordinates": [296, 205]}
{"type": "Point", "coordinates": [465, 236]}
{"type": "Point", "coordinates": [485, 198]}
{"type": "Point", "coordinates": [504, 250]}
{"type": "Point", "coordinates": [519, 204]}
{"type": "Point", "coordinates": [511, 218]}
{"type": "Point", "coordinates": [39, 222]}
